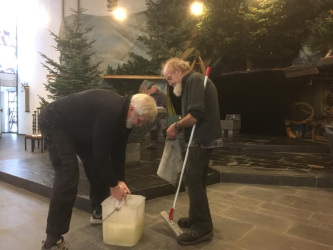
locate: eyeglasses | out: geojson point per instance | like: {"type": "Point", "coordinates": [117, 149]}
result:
{"type": "Point", "coordinates": [169, 78]}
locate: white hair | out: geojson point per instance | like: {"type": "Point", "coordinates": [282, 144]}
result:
{"type": "Point", "coordinates": [174, 63]}
{"type": "Point", "coordinates": [144, 105]}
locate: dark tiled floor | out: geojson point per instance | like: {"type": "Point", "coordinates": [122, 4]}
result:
{"type": "Point", "coordinates": [33, 171]}
{"type": "Point", "coordinates": [276, 160]}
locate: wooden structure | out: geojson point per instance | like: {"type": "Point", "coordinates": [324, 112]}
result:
{"type": "Point", "coordinates": [136, 77]}
{"type": "Point", "coordinates": [198, 61]}
{"type": "Point", "coordinates": [319, 74]}
{"type": "Point", "coordinates": [36, 136]}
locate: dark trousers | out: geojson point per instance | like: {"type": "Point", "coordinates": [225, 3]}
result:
{"type": "Point", "coordinates": [159, 124]}
{"type": "Point", "coordinates": [195, 181]}
{"type": "Point", "coordinates": [63, 151]}
{"type": "Point", "coordinates": [99, 191]}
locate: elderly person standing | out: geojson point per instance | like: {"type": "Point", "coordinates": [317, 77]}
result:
{"type": "Point", "coordinates": [161, 120]}
{"type": "Point", "coordinates": [93, 125]}
{"type": "Point", "coordinates": [200, 106]}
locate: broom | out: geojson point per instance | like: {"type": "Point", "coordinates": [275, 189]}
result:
{"type": "Point", "coordinates": [169, 217]}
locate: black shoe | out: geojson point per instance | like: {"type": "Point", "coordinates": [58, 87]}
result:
{"type": "Point", "coordinates": [96, 218]}
{"type": "Point", "coordinates": [61, 244]}
{"type": "Point", "coordinates": [185, 222]}
{"type": "Point", "coordinates": [193, 237]}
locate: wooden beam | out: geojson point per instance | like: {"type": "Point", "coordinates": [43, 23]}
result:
{"type": "Point", "coordinates": [143, 77]}
{"type": "Point", "coordinates": [301, 72]}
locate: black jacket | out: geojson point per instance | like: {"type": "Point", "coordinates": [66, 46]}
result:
{"type": "Point", "coordinates": [95, 118]}
{"type": "Point", "coordinates": [161, 101]}
{"type": "Point", "coordinates": [160, 98]}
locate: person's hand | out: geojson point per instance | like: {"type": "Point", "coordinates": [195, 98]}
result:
{"type": "Point", "coordinates": [172, 132]}
{"type": "Point", "coordinates": [120, 191]}
{"type": "Point", "coordinates": [123, 185]}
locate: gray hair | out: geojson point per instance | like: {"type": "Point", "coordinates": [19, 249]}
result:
{"type": "Point", "coordinates": [174, 63]}
{"type": "Point", "coordinates": [144, 105]}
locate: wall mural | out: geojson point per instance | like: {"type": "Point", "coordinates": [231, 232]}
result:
{"type": "Point", "coordinates": [115, 40]}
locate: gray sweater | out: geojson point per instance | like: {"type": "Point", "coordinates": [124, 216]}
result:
{"type": "Point", "coordinates": [203, 105]}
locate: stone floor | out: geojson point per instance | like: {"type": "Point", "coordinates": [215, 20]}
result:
{"type": "Point", "coordinates": [290, 213]}
{"type": "Point", "coordinates": [246, 217]}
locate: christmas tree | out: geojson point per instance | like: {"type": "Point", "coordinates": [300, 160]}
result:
{"type": "Point", "coordinates": [75, 71]}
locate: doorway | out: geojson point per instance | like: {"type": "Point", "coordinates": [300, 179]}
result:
{"type": "Point", "coordinates": [8, 107]}
{"type": "Point", "coordinates": [12, 111]}
{"type": "Point", "coordinates": [8, 67]}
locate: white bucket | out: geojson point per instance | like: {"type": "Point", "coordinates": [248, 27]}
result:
{"type": "Point", "coordinates": [123, 227]}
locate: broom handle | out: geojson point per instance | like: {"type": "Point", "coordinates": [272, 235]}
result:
{"type": "Point", "coordinates": [186, 155]}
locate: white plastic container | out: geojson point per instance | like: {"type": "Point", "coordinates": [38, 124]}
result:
{"type": "Point", "coordinates": [125, 226]}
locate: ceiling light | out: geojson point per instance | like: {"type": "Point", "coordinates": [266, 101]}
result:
{"type": "Point", "coordinates": [119, 14]}
{"type": "Point", "coordinates": [197, 8]}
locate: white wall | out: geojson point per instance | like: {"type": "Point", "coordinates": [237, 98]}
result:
{"type": "Point", "coordinates": [35, 18]}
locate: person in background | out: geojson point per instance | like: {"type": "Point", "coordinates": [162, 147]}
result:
{"type": "Point", "coordinates": [93, 125]}
{"type": "Point", "coordinates": [161, 120]}
{"type": "Point", "coordinates": [200, 106]}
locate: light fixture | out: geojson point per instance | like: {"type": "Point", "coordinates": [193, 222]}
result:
{"type": "Point", "coordinates": [197, 8]}
{"type": "Point", "coordinates": [119, 14]}
{"type": "Point", "coordinates": [25, 86]}
{"type": "Point", "coordinates": [112, 4]}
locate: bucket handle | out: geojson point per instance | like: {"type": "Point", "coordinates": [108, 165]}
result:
{"type": "Point", "coordinates": [116, 209]}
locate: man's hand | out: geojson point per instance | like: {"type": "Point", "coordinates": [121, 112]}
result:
{"type": "Point", "coordinates": [120, 191]}
{"type": "Point", "coordinates": [186, 122]}
{"type": "Point", "coordinates": [172, 132]}
{"type": "Point", "coordinates": [123, 185]}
